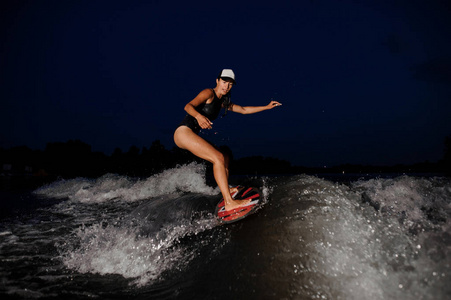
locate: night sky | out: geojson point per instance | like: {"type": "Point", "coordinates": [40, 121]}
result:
{"type": "Point", "coordinates": [361, 82]}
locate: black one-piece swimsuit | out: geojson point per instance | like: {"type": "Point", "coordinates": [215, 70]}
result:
{"type": "Point", "coordinates": [210, 110]}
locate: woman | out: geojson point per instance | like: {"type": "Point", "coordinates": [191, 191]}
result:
{"type": "Point", "coordinates": [201, 111]}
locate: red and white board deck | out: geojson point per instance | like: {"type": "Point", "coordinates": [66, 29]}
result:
{"type": "Point", "coordinates": [244, 193]}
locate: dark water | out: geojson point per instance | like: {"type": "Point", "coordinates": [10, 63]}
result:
{"type": "Point", "coordinates": [155, 238]}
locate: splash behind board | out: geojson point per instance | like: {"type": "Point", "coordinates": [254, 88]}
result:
{"type": "Point", "coordinates": [244, 193]}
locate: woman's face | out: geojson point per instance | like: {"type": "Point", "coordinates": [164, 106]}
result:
{"type": "Point", "coordinates": [223, 86]}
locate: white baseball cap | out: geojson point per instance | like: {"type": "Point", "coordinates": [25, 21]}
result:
{"type": "Point", "coordinates": [227, 74]}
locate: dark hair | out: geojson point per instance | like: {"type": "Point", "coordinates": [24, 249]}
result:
{"type": "Point", "coordinates": [226, 102]}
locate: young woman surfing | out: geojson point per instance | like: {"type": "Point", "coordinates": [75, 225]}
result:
{"type": "Point", "coordinates": [201, 111]}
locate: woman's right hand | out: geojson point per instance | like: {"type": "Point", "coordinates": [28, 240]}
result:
{"type": "Point", "coordinates": [204, 122]}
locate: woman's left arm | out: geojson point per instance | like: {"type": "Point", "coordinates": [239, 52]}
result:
{"type": "Point", "coordinates": [245, 110]}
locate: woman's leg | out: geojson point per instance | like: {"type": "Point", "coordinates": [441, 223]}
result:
{"type": "Point", "coordinates": [185, 138]}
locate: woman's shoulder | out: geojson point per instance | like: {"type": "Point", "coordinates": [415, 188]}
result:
{"type": "Point", "coordinates": [207, 91]}
{"type": "Point", "coordinates": [207, 94]}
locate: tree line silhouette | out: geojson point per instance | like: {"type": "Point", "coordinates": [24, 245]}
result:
{"type": "Point", "coordinates": [75, 158]}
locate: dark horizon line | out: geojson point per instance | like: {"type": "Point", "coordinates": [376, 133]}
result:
{"type": "Point", "coordinates": [158, 143]}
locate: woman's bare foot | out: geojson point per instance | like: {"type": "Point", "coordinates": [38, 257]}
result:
{"type": "Point", "coordinates": [234, 204]}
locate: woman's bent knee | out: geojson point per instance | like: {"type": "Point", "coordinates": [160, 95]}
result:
{"type": "Point", "coordinates": [219, 158]}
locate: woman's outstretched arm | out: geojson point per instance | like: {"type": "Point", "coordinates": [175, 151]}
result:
{"type": "Point", "coordinates": [245, 110]}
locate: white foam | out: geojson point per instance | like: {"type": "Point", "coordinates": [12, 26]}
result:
{"type": "Point", "coordinates": [186, 178]}
{"type": "Point", "coordinates": [408, 198]}
{"type": "Point", "coordinates": [369, 253]}
{"type": "Point", "coordinates": [121, 250]}
{"type": "Point", "coordinates": [109, 245]}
